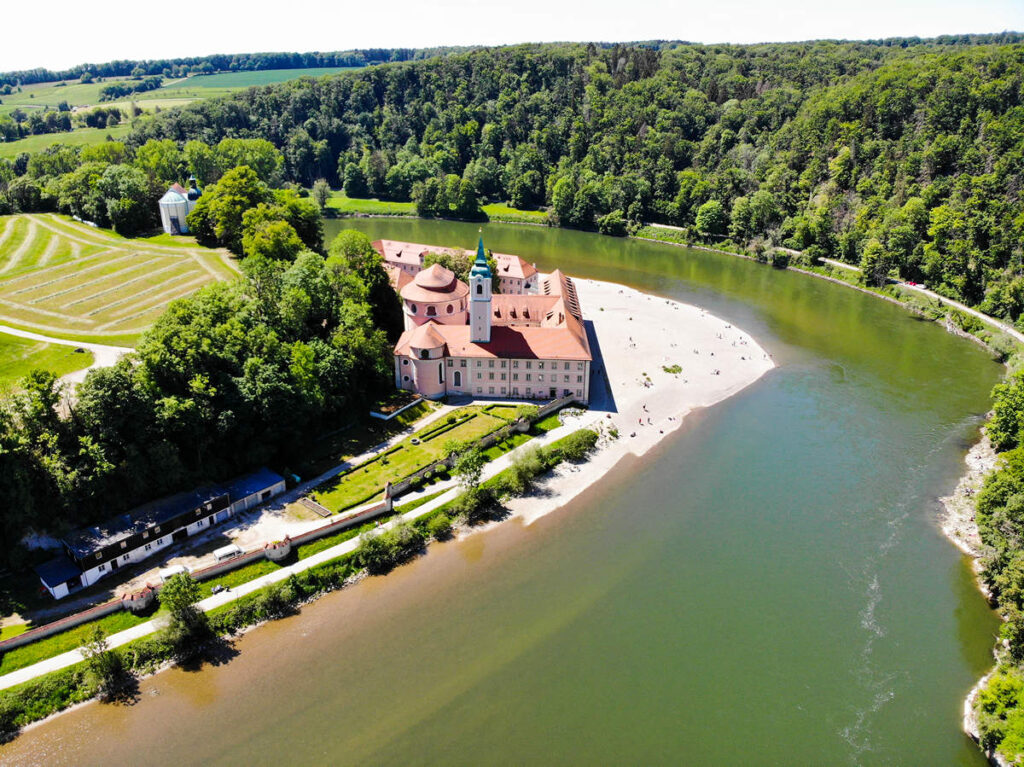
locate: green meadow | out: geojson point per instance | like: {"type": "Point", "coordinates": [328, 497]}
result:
{"type": "Point", "coordinates": [19, 356]}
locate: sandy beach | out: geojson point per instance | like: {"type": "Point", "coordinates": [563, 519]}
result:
{"type": "Point", "coordinates": [640, 338]}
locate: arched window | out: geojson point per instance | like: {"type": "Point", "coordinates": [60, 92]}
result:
{"type": "Point", "coordinates": [457, 378]}
{"type": "Point", "coordinates": [440, 373]}
{"type": "Point", "coordinates": [479, 288]}
{"type": "Point", "coordinates": [431, 311]}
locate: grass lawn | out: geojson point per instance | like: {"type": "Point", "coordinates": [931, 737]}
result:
{"type": "Point", "coordinates": [79, 137]}
{"type": "Point", "coordinates": [26, 655]}
{"type": "Point", "coordinates": [366, 481]}
{"type": "Point", "coordinates": [342, 203]}
{"type": "Point", "coordinates": [500, 211]}
{"type": "Point", "coordinates": [63, 278]}
{"type": "Point", "coordinates": [19, 356]}
{"type": "Point", "coordinates": [12, 631]}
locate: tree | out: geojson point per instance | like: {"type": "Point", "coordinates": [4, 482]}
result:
{"type": "Point", "coordinates": [272, 239]}
{"type": "Point", "coordinates": [469, 467]}
{"type": "Point", "coordinates": [876, 263]}
{"type": "Point", "coordinates": [104, 664]}
{"type": "Point", "coordinates": [711, 219]}
{"type": "Point", "coordinates": [202, 162]}
{"type": "Point", "coordinates": [188, 626]}
{"type": "Point", "coordinates": [321, 193]}
{"type": "Point", "coordinates": [161, 160]}
{"type": "Point", "coordinates": [217, 217]}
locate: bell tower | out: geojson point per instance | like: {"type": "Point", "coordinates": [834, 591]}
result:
{"type": "Point", "coordinates": [480, 298]}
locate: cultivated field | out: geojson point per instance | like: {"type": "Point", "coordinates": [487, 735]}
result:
{"type": "Point", "coordinates": [66, 279]}
{"type": "Point", "coordinates": [173, 93]}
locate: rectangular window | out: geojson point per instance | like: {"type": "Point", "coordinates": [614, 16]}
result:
{"type": "Point", "coordinates": [157, 529]}
{"type": "Point", "coordinates": [529, 365]}
{"type": "Point", "coordinates": [529, 376]}
{"type": "Point", "coordinates": [566, 366]}
{"type": "Point", "coordinates": [199, 523]}
{"type": "Point", "coordinates": [567, 379]}
{"type": "Point", "coordinates": [124, 544]}
{"type": "Point", "coordinates": [479, 390]}
{"type": "Point", "coordinates": [490, 363]}
{"type": "Point", "coordinates": [149, 546]}
{"type": "Point", "coordinates": [515, 376]}
{"type": "Point", "coordinates": [125, 557]}
{"type": "Point", "coordinates": [579, 379]}
{"type": "Point", "coordinates": [504, 363]}
{"type": "Point", "coordinates": [515, 363]}
{"type": "Point", "coordinates": [540, 365]}
{"type": "Point", "coordinates": [515, 390]}
{"type": "Point", "coordinates": [145, 535]}
{"type": "Point", "coordinates": [479, 363]}
{"type": "Point", "coordinates": [540, 376]}
{"type": "Point", "coordinates": [102, 568]}
{"type": "Point", "coordinates": [490, 390]}
{"type": "Point", "coordinates": [579, 366]}
{"type": "Point", "coordinates": [451, 363]}
{"type": "Point", "coordinates": [579, 392]}
{"type": "Point", "coordinates": [462, 363]}
{"type": "Point", "coordinates": [159, 541]}
{"type": "Point", "coordinates": [503, 375]}
{"type": "Point", "coordinates": [99, 554]}
{"type": "Point", "coordinates": [479, 376]}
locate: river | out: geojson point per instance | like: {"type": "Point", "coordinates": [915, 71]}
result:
{"type": "Point", "coordinates": [769, 586]}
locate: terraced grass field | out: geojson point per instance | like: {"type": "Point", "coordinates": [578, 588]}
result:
{"type": "Point", "coordinates": [62, 278]}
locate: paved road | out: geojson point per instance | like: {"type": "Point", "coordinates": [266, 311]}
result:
{"type": "Point", "coordinates": [103, 356]}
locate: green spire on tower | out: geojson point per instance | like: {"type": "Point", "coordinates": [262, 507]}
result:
{"type": "Point", "coordinates": [480, 267]}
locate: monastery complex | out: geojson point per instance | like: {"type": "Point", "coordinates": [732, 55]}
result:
{"type": "Point", "coordinates": [526, 342]}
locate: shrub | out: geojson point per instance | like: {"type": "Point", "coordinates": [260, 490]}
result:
{"type": "Point", "coordinates": [575, 446]}
{"type": "Point", "coordinates": [439, 526]}
{"type": "Point", "coordinates": [379, 553]}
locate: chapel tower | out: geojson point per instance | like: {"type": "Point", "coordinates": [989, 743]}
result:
{"type": "Point", "coordinates": [480, 298]}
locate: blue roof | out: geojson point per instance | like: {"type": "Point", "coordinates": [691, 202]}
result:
{"type": "Point", "coordinates": [85, 541]}
{"type": "Point", "coordinates": [257, 482]}
{"type": "Point", "coordinates": [57, 571]}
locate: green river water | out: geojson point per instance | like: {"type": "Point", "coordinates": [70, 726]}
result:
{"type": "Point", "coordinates": [769, 586]}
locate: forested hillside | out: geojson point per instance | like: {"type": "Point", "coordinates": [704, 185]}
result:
{"type": "Point", "coordinates": [906, 158]}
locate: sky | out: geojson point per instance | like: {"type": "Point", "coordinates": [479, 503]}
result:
{"type": "Point", "coordinates": [61, 33]}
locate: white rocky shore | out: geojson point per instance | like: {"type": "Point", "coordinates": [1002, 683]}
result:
{"type": "Point", "coordinates": [961, 527]}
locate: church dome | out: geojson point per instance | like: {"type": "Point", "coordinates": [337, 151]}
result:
{"type": "Point", "coordinates": [435, 284]}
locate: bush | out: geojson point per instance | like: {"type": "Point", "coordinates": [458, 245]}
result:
{"type": "Point", "coordinates": [575, 446]}
{"type": "Point", "coordinates": [439, 526]}
{"type": "Point", "coordinates": [379, 553]}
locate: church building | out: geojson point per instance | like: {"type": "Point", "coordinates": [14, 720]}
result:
{"type": "Point", "coordinates": [460, 339]}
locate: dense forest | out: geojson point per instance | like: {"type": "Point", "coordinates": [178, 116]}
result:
{"type": "Point", "coordinates": [907, 157]}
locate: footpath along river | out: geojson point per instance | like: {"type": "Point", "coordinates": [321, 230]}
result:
{"type": "Point", "coordinates": [768, 586]}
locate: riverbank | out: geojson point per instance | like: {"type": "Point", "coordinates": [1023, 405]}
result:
{"type": "Point", "coordinates": [655, 361]}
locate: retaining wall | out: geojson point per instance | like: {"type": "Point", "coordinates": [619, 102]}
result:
{"type": "Point", "coordinates": [34, 635]}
